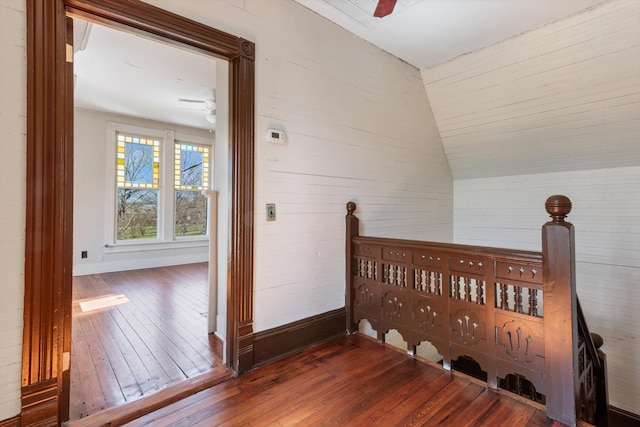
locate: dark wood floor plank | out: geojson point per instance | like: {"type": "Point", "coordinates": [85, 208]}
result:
{"type": "Point", "coordinates": [165, 339]}
{"type": "Point", "coordinates": [469, 415]}
{"type": "Point", "coordinates": [109, 384]}
{"type": "Point", "coordinates": [386, 404]}
{"type": "Point", "coordinates": [162, 313]}
{"type": "Point", "coordinates": [508, 412]}
{"type": "Point", "coordinates": [86, 396]}
{"type": "Point", "coordinates": [118, 360]}
{"type": "Point", "coordinates": [260, 381]}
{"type": "Point", "coordinates": [143, 378]}
{"type": "Point", "coordinates": [185, 292]}
{"type": "Point", "coordinates": [416, 401]}
{"type": "Point", "coordinates": [350, 381]}
{"type": "Point", "coordinates": [156, 340]}
{"type": "Point", "coordinates": [318, 384]}
{"type": "Point", "coordinates": [182, 412]}
{"type": "Point", "coordinates": [158, 347]}
{"type": "Point", "coordinates": [260, 396]}
{"type": "Point", "coordinates": [150, 370]}
{"type": "Point", "coordinates": [355, 394]}
{"type": "Point", "coordinates": [448, 408]}
{"type": "Point", "coordinates": [79, 405]}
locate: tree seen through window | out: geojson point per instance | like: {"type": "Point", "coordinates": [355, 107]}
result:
{"type": "Point", "coordinates": [137, 177]}
{"type": "Point", "coordinates": [191, 177]}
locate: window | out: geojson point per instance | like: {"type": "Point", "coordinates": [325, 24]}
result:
{"type": "Point", "coordinates": [138, 184]}
{"type": "Point", "coordinates": [191, 177]}
{"type": "Point", "coordinates": [156, 186]}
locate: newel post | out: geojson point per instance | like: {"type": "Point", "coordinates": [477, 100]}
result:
{"type": "Point", "coordinates": [560, 313]}
{"type": "Point", "coordinates": [352, 230]}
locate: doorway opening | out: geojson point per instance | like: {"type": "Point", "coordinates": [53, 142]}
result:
{"type": "Point", "coordinates": [49, 235]}
{"type": "Point", "coordinates": [145, 294]}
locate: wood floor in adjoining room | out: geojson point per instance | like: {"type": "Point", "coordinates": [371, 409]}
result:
{"type": "Point", "coordinates": [350, 381]}
{"type": "Point", "coordinates": [131, 350]}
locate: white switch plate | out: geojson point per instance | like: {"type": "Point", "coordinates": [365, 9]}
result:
{"type": "Point", "coordinates": [271, 211]}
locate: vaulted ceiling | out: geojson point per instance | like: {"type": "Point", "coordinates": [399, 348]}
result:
{"type": "Point", "coordinates": [429, 32]}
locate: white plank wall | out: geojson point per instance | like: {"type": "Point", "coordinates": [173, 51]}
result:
{"type": "Point", "coordinates": [13, 107]}
{"type": "Point", "coordinates": [563, 97]}
{"type": "Point", "coordinates": [358, 127]}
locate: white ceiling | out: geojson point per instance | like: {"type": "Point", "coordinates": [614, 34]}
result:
{"type": "Point", "coordinates": [428, 32]}
{"type": "Point", "coordinates": [128, 74]}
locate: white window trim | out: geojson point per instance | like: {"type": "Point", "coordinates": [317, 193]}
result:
{"type": "Point", "coordinates": [180, 137]}
{"type": "Point", "coordinates": [165, 235]}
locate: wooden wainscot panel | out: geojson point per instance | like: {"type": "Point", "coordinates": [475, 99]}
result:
{"type": "Point", "coordinates": [366, 251]}
{"type": "Point", "coordinates": [396, 310]}
{"type": "Point", "coordinates": [396, 254]}
{"type": "Point", "coordinates": [367, 299]}
{"type": "Point", "coordinates": [468, 334]}
{"type": "Point", "coordinates": [531, 273]}
{"type": "Point", "coordinates": [520, 348]}
{"type": "Point", "coordinates": [428, 259]}
{"type": "Point", "coordinates": [468, 265]}
{"type": "Point", "coordinates": [430, 321]}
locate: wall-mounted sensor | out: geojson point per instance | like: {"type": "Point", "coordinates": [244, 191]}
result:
{"type": "Point", "coordinates": [275, 135]}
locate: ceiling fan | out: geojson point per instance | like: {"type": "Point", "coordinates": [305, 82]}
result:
{"type": "Point", "coordinates": [207, 105]}
{"type": "Point", "coordinates": [384, 8]}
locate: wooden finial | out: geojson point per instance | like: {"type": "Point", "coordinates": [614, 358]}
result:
{"type": "Point", "coordinates": [597, 340]}
{"type": "Point", "coordinates": [351, 208]}
{"type": "Point", "coordinates": [558, 207]}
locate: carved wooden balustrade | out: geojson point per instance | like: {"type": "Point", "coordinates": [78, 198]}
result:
{"type": "Point", "coordinates": [515, 313]}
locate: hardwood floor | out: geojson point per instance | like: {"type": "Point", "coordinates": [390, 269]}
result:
{"type": "Point", "coordinates": [131, 350]}
{"type": "Point", "coordinates": [351, 381]}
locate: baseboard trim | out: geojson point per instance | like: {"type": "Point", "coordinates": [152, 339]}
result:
{"type": "Point", "coordinates": [287, 339]}
{"type": "Point", "coordinates": [11, 422]}
{"type": "Point", "coordinates": [620, 417]}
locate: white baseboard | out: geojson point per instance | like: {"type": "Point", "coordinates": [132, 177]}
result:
{"type": "Point", "coordinates": [136, 264]}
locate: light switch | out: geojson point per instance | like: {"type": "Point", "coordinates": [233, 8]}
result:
{"type": "Point", "coordinates": [271, 211]}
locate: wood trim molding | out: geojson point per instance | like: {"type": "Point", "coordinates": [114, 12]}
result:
{"type": "Point", "coordinates": [49, 204]}
{"type": "Point", "coordinates": [620, 417]}
{"type": "Point", "coordinates": [290, 338]}
{"type": "Point", "coordinates": [11, 422]}
{"type": "Point", "coordinates": [49, 217]}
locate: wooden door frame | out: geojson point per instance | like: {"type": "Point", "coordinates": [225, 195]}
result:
{"type": "Point", "coordinates": [49, 181]}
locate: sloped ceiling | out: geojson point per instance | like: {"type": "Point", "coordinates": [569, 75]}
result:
{"type": "Point", "coordinates": [562, 97]}
{"type": "Point", "coordinates": [429, 32]}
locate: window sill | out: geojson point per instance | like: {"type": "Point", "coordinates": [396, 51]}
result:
{"type": "Point", "coordinates": [155, 246]}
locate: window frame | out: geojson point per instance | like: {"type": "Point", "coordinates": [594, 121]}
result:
{"type": "Point", "coordinates": [165, 237]}
{"type": "Point", "coordinates": [192, 141]}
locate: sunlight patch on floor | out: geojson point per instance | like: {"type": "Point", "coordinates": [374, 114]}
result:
{"type": "Point", "coordinates": [103, 302]}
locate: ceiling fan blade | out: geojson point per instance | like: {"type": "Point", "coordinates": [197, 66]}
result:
{"type": "Point", "coordinates": [384, 8]}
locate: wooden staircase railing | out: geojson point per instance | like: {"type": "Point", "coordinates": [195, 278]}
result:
{"type": "Point", "coordinates": [515, 313]}
{"type": "Point", "coordinates": [592, 368]}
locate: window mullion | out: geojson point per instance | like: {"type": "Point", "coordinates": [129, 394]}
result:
{"type": "Point", "coordinates": [167, 192]}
